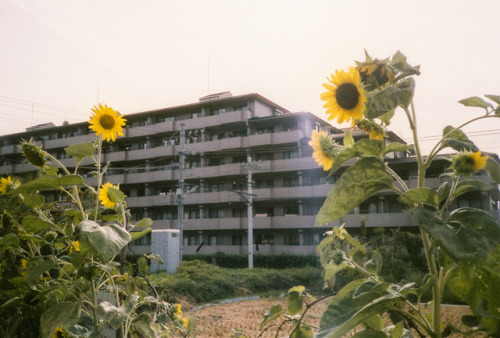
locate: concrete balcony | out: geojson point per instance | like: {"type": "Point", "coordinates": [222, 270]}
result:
{"type": "Point", "coordinates": [150, 129]}
{"type": "Point", "coordinates": [237, 116]}
{"type": "Point", "coordinates": [196, 123]}
{"type": "Point", "coordinates": [151, 201]}
{"type": "Point", "coordinates": [216, 145]}
{"type": "Point", "coordinates": [11, 149]}
{"type": "Point", "coordinates": [293, 164]}
{"type": "Point", "coordinates": [67, 141]}
{"type": "Point", "coordinates": [144, 154]}
{"type": "Point", "coordinates": [273, 138]}
{"type": "Point", "coordinates": [311, 191]}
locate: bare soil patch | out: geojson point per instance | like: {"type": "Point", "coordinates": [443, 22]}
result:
{"type": "Point", "coordinates": [220, 320]}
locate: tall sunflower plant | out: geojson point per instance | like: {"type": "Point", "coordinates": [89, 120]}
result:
{"type": "Point", "coordinates": [62, 270]}
{"type": "Point", "coordinates": [461, 245]}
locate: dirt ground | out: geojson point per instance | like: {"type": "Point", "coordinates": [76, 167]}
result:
{"type": "Point", "coordinates": [246, 316]}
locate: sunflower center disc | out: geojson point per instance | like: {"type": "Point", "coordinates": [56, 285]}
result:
{"type": "Point", "coordinates": [347, 96]}
{"type": "Point", "coordinates": [107, 121]}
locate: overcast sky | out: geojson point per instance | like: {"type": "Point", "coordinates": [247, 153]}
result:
{"type": "Point", "coordinates": [59, 58]}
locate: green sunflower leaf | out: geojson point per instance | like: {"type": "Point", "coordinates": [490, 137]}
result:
{"type": "Point", "coordinates": [493, 169]}
{"type": "Point", "coordinates": [494, 98]}
{"type": "Point", "coordinates": [360, 181]}
{"type": "Point", "coordinates": [33, 201]}
{"type": "Point", "coordinates": [474, 101]}
{"type": "Point", "coordinates": [369, 333]}
{"type": "Point", "coordinates": [479, 220]}
{"type": "Point", "coordinates": [397, 147]}
{"type": "Point", "coordinates": [108, 240]}
{"type": "Point", "coordinates": [47, 182]}
{"type": "Point", "coordinates": [471, 185]}
{"type": "Point", "coordinates": [367, 147]}
{"type": "Point", "coordinates": [116, 195]}
{"type": "Point", "coordinates": [144, 223]}
{"type": "Point", "coordinates": [295, 300]}
{"type": "Point", "coordinates": [406, 91]}
{"type": "Point", "coordinates": [138, 234]}
{"type": "Point", "coordinates": [386, 118]}
{"type": "Point", "coordinates": [463, 245]}
{"type": "Point", "coordinates": [275, 311]}
{"type": "Point", "coordinates": [341, 158]}
{"type": "Point", "coordinates": [80, 150]}
{"type": "Point", "coordinates": [457, 140]}
{"type": "Point", "coordinates": [32, 223]}
{"type": "Point", "coordinates": [303, 331]}
{"type": "Point", "coordinates": [376, 322]}
{"type": "Point", "coordinates": [421, 195]}
{"type": "Point", "coordinates": [348, 139]}
{"type": "Point", "coordinates": [346, 311]}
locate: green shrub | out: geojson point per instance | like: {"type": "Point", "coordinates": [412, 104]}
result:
{"type": "Point", "coordinates": [202, 282]}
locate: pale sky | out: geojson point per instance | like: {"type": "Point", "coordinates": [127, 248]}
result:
{"type": "Point", "coordinates": [59, 58]}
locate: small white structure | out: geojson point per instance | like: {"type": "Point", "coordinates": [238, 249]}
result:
{"type": "Point", "coordinates": [165, 243]}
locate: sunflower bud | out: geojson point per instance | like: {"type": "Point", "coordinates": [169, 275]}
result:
{"type": "Point", "coordinates": [374, 131]}
{"type": "Point", "coordinates": [33, 154]}
{"type": "Point", "coordinates": [467, 163]}
{"type": "Point", "coordinates": [50, 236]}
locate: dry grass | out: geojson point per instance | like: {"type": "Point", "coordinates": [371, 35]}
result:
{"type": "Point", "coordinates": [219, 320]}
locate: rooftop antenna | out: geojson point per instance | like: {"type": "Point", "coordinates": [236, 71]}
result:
{"type": "Point", "coordinates": [208, 77]}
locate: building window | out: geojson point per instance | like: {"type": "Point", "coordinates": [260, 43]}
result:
{"type": "Point", "coordinates": [292, 210]}
{"type": "Point", "coordinates": [194, 214]}
{"type": "Point", "coordinates": [265, 239]}
{"type": "Point", "coordinates": [262, 184]}
{"type": "Point", "coordinates": [291, 182]}
{"type": "Point", "coordinates": [290, 127]}
{"type": "Point", "coordinates": [265, 157]}
{"type": "Point", "coordinates": [240, 212]}
{"type": "Point", "coordinates": [194, 240]}
{"type": "Point", "coordinates": [292, 239]}
{"type": "Point", "coordinates": [239, 240]}
{"type": "Point", "coordinates": [264, 212]}
{"type": "Point", "coordinates": [239, 159]}
{"type": "Point", "coordinates": [311, 209]}
{"type": "Point", "coordinates": [369, 207]}
{"type": "Point", "coordinates": [216, 213]}
{"type": "Point", "coordinates": [240, 133]}
{"type": "Point", "coordinates": [287, 155]}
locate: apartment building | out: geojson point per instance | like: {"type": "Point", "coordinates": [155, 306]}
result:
{"type": "Point", "coordinates": [226, 139]}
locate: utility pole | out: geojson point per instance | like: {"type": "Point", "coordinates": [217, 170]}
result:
{"type": "Point", "coordinates": [180, 190]}
{"type": "Point", "coordinates": [250, 212]}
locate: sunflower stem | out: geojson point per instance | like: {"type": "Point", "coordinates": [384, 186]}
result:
{"type": "Point", "coordinates": [99, 175]}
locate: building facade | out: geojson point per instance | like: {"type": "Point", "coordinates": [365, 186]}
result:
{"type": "Point", "coordinates": [227, 138]}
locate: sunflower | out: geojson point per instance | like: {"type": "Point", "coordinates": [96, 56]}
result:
{"type": "Point", "coordinates": [345, 99]}
{"type": "Point", "coordinates": [7, 184]}
{"type": "Point", "coordinates": [107, 122]}
{"type": "Point", "coordinates": [58, 333]}
{"type": "Point", "coordinates": [467, 163]}
{"type": "Point", "coordinates": [374, 131]}
{"type": "Point", "coordinates": [325, 149]}
{"type": "Point", "coordinates": [75, 246]}
{"type": "Point", "coordinates": [104, 195]}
